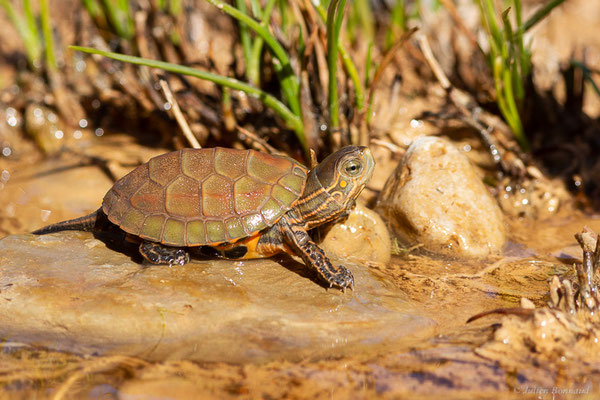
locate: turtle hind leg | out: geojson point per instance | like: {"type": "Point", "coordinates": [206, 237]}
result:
{"type": "Point", "coordinates": [313, 256]}
{"type": "Point", "coordinates": [156, 253]}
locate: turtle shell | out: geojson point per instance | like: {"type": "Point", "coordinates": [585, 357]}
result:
{"type": "Point", "coordinates": [195, 197]}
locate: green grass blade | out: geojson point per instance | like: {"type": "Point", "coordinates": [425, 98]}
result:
{"type": "Point", "coordinates": [397, 23]}
{"type": "Point", "coordinates": [33, 32]}
{"type": "Point", "coordinates": [175, 7]}
{"type": "Point", "coordinates": [289, 82]}
{"type": "Point", "coordinates": [366, 19]}
{"type": "Point", "coordinates": [587, 75]}
{"type": "Point", "coordinates": [93, 8]}
{"type": "Point", "coordinates": [292, 120]}
{"type": "Point", "coordinates": [524, 58]}
{"type": "Point", "coordinates": [332, 55]}
{"type": "Point", "coordinates": [33, 48]}
{"type": "Point", "coordinates": [497, 71]}
{"type": "Point", "coordinates": [335, 15]}
{"type": "Point", "coordinates": [245, 39]}
{"type": "Point", "coordinates": [512, 60]}
{"type": "Point", "coordinates": [354, 77]}
{"type": "Point", "coordinates": [368, 65]}
{"type": "Point", "coordinates": [29, 16]}
{"type": "Point", "coordinates": [490, 13]}
{"type": "Point", "coordinates": [48, 39]}
{"type": "Point", "coordinates": [120, 18]}
{"type": "Point", "coordinates": [348, 63]}
{"type": "Point", "coordinates": [253, 72]}
{"type": "Point", "coordinates": [256, 9]}
{"type": "Point", "coordinates": [540, 14]}
{"type": "Point", "coordinates": [517, 125]}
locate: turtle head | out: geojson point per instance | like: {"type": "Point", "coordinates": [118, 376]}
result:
{"type": "Point", "coordinates": [345, 173]}
{"type": "Point", "coordinates": [333, 185]}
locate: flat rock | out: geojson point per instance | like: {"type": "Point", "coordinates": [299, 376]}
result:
{"type": "Point", "coordinates": [69, 291]}
{"type": "Point", "coordinates": [436, 198]}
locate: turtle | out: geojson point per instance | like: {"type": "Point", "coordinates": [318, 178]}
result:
{"type": "Point", "coordinates": [242, 204]}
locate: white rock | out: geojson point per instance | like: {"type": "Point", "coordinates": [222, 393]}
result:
{"type": "Point", "coordinates": [435, 197]}
{"type": "Point", "coordinates": [363, 237]}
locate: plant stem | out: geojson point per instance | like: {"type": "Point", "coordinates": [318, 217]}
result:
{"type": "Point", "coordinates": [33, 48]}
{"type": "Point", "coordinates": [48, 39]}
{"type": "Point", "coordinates": [253, 73]}
{"type": "Point", "coordinates": [245, 39]}
{"type": "Point", "coordinates": [334, 22]}
{"type": "Point", "coordinates": [541, 14]}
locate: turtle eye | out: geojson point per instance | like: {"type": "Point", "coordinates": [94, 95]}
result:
{"type": "Point", "coordinates": [353, 167]}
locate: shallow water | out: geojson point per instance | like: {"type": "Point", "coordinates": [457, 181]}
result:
{"type": "Point", "coordinates": [82, 320]}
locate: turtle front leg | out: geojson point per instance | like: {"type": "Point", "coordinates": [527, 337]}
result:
{"type": "Point", "coordinates": [313, 256]}
{"type": "Point", "coordinates": [156, 253]}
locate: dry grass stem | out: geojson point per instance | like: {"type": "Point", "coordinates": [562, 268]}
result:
{"type": "Point", "coordinates": [397, 150]}
{"type": "Point", "coordinates": [185, 128]}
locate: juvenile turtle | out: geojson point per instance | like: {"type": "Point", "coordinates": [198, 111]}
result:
{"type": "Point", "coordinates": [242, 203]}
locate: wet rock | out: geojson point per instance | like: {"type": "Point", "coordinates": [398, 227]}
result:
{"type": "Point", "coordinates": [435, 197]}
{"type": "Point", "coordinates": [363, 237]}
{"type": "Point", "coordinates": [42, 194]}
{"type": "Point", "coordinates": [68, 291]}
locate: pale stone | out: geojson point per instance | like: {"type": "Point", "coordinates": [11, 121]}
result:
{"type": "Point", "coordinates": [435, 197]}
{"type": "Point", "coordinates": [68, 291]}
{"type": "Point", "coordinates": [362, 237]}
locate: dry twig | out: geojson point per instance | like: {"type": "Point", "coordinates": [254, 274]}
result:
{"type": "Point", "coordinates": [187, 132]}
{"type": "Point", "coordinates": [255, 141]}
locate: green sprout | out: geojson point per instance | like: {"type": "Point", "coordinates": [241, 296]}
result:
{"type": "Point", "coordinates": [28, 31]}
{"type": "Point", "coordinates": [510, 59]}
{"type": "Point", "coordinates": [37, 40]}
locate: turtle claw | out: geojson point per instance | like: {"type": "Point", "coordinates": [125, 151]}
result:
{"type": "Point", "coordinates": [180, 257]}
{"type": "Point", "coordinates": [342, 279]}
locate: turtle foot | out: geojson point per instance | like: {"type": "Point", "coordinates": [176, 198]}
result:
{"type": "Point", "coordinates": [159, 254]}
{"type": "Point", "coordinates": [342, 279]}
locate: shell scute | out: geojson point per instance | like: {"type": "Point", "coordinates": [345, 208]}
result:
{"type": "Point", "coordinates": [230, 163]}
{"type": "Point", "coordinates": [267, 168]}
{"type": "Point", "coordinates": [270, 211]}
{"type": "Point", "coordinates": [254, 223]}
{"type": "Point", "coordinates": [235, 229]}
{"type": "Point", "coordinates": [196, 235]}
{"type": "Point", "coordinates": [115, 206]}
{"type": "Point", "coordinates": [197, 164]}
{"type": "Point", "coordinates": [174, 232]}
{"type": "Point", "coordinates": [153, 227]}
{"type": "Point", "coordinates": [215, 232]}
{"type": "Point", "coordinates": [134, 220]}
{"type": "Point", "coordinates": [130, 183]}
{"type": "Point", "coordinates": [217, 197]}
{"type": "Point", "coordinates": [284, 196]}
{"type": "Point", "coordinates": [182, 197]}
{"type": "Point", "coordinates": [293, 183]}
{"type": "Point", "coordinates": [163, 169]}
{"type": "Point", "coordinates": [149, 198]}
{"type": "Point", "coordinates": [250, 195]}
